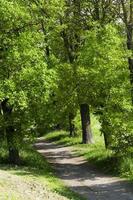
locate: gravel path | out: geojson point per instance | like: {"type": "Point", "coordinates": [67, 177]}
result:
{"type": "Point", "coordinates": [82, 178]}
{"type": "Point", "coordinates": [13, 187]}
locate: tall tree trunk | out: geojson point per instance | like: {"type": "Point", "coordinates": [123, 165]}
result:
{"type": "Point", "coordinates": [130, 59]}
{"type": "Point", "coordinates": [86, 124]}
{"type": "Point", "coordinates": [71, 125]}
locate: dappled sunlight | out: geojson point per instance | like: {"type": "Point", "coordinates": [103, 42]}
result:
{"type": "Point", "coordinates": [83, 177]}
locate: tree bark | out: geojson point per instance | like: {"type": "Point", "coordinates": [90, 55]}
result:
{"type": "Point", "coordinates": [107, 139]}
{"type": "Point", "coordinates": [71, 125]}
{"type": "Point", "coordinates": [12, 146]}
{"type": "Point", "coordinates": [130, 47]}
{"type": "Point", "coordinates": [87, 137]}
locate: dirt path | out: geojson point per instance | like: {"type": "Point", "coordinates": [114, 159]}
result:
{"type": "Point", "coordinates": [82, 178]}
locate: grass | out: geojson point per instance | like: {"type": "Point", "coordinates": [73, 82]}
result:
{"type": "Point", "coordinates": [36, 168]}
{"type": "Point", "coordinates": [96, 154]}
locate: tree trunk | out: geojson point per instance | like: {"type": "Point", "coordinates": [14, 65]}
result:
{"type": "Point", "coordinates": [12, 146]}
{"type": "Point", "coordinates": [10, 134]}
{"type": "Point", "coordinates": [71, 125]}
{"type": "Point", "coordinates": [130, 59]}
{"type": "Point", "coordinates": [107, 139]}
{"type": "Point", "coordinates": [14, 157]}
{"type": "Point", "coordinates": [86, 125]}
{"type": "Point", "coordinates": [128, 20]}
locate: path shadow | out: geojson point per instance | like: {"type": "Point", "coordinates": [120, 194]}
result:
{"type": "Point", "coordinates": [41, 144]}
{"type": "Point", "coordinates": [84, 178]}
{"type": "Point", "coordinates": [105, 192]}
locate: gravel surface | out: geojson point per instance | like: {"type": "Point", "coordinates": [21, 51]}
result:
{"type": "Point", "coordinates": [13, 187]}
{"type": "Point", "coordinates": [82, 177]}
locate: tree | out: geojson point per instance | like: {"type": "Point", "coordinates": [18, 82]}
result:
{"type": "Point", "coordinates": [72, 40]}
{"type": "Point", "coordinates": [22, 74]}
{"type": "Point", "coordinates": [103, 63]}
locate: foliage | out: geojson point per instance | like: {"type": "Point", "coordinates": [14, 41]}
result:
{"type": "Point", "coordinates": [56, 56]}
{"type": "Point", "coordinates": [25, 80]}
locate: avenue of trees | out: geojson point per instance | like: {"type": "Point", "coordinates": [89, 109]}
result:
{"type": "Point", "coordinates": [63, 57]}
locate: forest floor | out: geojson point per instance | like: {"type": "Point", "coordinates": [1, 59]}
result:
{"type": "Point", "coordinates": [82, 177]}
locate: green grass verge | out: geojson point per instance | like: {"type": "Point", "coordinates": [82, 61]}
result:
{"type": "Point", "coordinates": [35, 167]}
